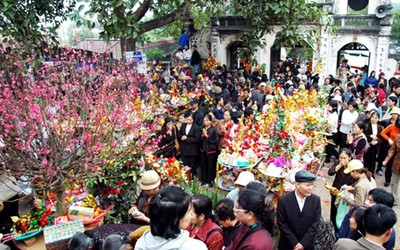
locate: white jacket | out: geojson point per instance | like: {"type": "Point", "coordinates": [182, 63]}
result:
{"type": "Point", "coordinates": [182, 242]}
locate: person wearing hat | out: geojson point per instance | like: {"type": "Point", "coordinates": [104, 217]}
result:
{"type": "Point", "coordinates": [299, 213]}
{"type": "Point", "coordinates": [371, 106]}
{"type": "Point", "coordinates": [364, 183]}
{"type": "Point", "coordinates": [241, 182]}
{"type": "Point", "coordinates": [267, 105]}
{"type": "Point", "coordinates": [150, 185]}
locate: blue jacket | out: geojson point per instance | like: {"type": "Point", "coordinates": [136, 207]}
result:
{"type": "Point", "coordinates": [183, 40]}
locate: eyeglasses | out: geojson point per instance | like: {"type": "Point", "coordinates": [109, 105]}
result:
{"type": "Point", "coordinates": [240, 210]}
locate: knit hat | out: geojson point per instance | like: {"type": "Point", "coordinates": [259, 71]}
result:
{"type": "Point", "coordinates": [150, 180]}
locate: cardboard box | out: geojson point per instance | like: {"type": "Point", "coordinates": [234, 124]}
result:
{"type": "Point", "coordinates": [57, 237]}
{"type": "Point", "coordinates": [80, 213]}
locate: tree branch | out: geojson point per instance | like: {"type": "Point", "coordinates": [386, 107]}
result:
{"type": "Point", "coordinates": [142, 10]}
{"type": "Point", "coordinates": [164, 20]}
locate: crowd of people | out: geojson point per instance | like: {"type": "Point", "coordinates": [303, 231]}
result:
{"type": "Point", "coordinates": [177, 220]}
{"type": "Point", "coordinates": [364, 126]}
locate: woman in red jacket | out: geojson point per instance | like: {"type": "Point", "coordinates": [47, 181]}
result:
{"type": "Point", "coordinates": [202, 226]}
{"type": "Point", "coordinates": [391, 131]}
{"type": "Point", "coordinates": [388, 134]}
{"type": "Point", "coordinates": [394, 157]}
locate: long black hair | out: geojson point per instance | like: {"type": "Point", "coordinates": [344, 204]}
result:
{"type": "Point", "coordinates": [202, 204]}
{"type": "Point", "coordinates": [262, 208]}
{"type": "Point", "coordinates": [169, 206]}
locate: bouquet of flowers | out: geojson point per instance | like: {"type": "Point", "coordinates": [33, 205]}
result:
{"type": "Point", "coordinates": [211, 63]}
{"type": "Point", "coordinates": [172, 171]}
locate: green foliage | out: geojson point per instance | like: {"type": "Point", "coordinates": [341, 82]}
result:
{"type": "Point", "coordinates": [118, 186]}
{"type": "Point", "coordinates": [29, 23]}
{"type": "Point", "coordinates": [264, 15]}
{"type": "Point", "coordinates": [154, 54]}
{"type": "Point", "coordinates": [74, 33]}
{"type": "Point", "coordinates": [195, 187]}
{"type": "Point", "coordinates": [395, 33]}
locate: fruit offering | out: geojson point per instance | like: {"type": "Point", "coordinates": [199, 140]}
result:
{"type": "Point", "coordinates": [333, 190]}
{"type": "Point", "coordinates": [97, 212]}
{"type": "Point", "coordinates": [89, 201]}
{"type": "Point", "coordinates": [35, 220]}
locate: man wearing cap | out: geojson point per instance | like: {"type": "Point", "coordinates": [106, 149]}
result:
{"type": "Point", "coordinates": [241, 182]}
{"type": "Point", "coordinates": [299, 214]}
{"type": "Point", "coordinates": [149, 184]}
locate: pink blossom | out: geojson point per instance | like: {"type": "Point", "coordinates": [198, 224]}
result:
{"type": "Point", "coordinates": [22, 124]}
{"type": "Point", "coordinates": [44, 162]}
{"type": "Point", "coordinates": [32, 133]}
{"type": "Point", "coordinates": [87, 137]}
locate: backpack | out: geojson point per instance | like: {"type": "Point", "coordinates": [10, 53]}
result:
{"type": "Point", "coordinates": [325, 237]}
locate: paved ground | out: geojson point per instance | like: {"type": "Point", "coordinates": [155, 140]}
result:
{"type": "Point", "coordinates": [326, 199]}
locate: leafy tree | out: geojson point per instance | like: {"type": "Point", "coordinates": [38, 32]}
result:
{"type": "Point", "coordinates": [74, 33]}
{"type": "Point", "coordinates": [31, 22]}
{"type": "Point", "coordinates": [264, 16]}
{"type": "Point", "coordinates": [126, 19]}
{"type": "Point", "coordinates": [395, 33]}
{"type": "Point", "coordinates": [154, 54]}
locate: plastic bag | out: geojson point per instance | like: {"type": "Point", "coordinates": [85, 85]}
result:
{"type": "Point", "coordinates": [342, 210]}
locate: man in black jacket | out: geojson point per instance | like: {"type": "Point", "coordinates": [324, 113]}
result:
{"type": "Point", "coordinates": [195, 61]}
{"type": "Point", "coordinates": [189, 136]}
{"type": "Point", "coordinates": [299, 214]}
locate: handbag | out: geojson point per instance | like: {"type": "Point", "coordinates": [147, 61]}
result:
{"type": "Point", "coordinates": [177, 146]}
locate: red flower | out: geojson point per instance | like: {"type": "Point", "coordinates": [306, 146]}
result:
{"type": "Point", "coordinates": [283, 134]}
{"type": "Point", "coordinates": [120, 182]}
{"type": "Point", "coordinates": [128, 163]}
{"type": "Point", "coordinates": [117, 191]}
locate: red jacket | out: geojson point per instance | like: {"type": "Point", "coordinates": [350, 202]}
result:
{"type": "Point", "coordinates": [259, 240]}
{"type": "Point", "coordinates": [392, 130]}
{"type": "Point", "coordinates": [215, 241]}
{"type": "Point", "coordinates": [381, 96]}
